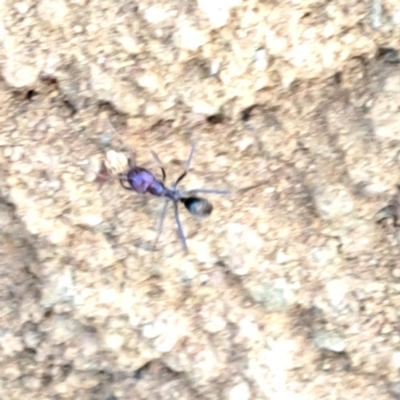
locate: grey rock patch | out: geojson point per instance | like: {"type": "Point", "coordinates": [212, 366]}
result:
{"type": "Point", "coordinates": [394, 390]}
{"type": "Point", "coordinates": [333, 202]}
{"type": "Point", "coordinates": [329, 341]}
{"type": "Point", "coordinates": [275, 295]}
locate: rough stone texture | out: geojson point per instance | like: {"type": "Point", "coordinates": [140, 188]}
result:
{"type": "Point", "coordinates": [290, 290]}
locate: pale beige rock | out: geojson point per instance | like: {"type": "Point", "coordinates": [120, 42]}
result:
{"type": "Point", "coordinates": [20, 75]}
{"type": "Point", "coordinates": [21, 7]}
{"type": "Point", "coordinates": [189, 37]}
{"type": "Point", "coordinates": [114, 341]}
{"type": "Point", "coordinates": [299, 96]}
{"type": "Point", "coordinates": [217, 11]}
{"type": "Point", "coordinates": [333, 202]}
{"type": "Point", "coordinates": [10, 344]}
{"type": "Point", "coordinates": [240, 391]}
{"type": "Point", "coordinates": [54, 13]}
{"type": "Point", "coordinates": [116, 162]}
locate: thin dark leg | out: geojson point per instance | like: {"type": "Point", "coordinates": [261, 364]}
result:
{"type": "Point", "coordinates": [131, 162]}
{"type": "Point", "coordinates": [161, 223]}
{"type": "Point", "coordinates": [209, 191]}
{"type": "Point", "coordinates": [218, 191]}
{"type": "Point", "coordinates": [109, 177]}
{"type": "Point", "coordinates": [180, 229]}
{"type": "Point", "coordinates": [187, 166]}
{"type": "Point", "coordinates": [121, 181]}
{"type": "Point", "coordinates": [103, 177]}
{"type": "Point", "coordinates": [164, 175]}
{"type": "Point", "coordinates": [155, 156]}
{"type": "Point", "coordinates": [132, 154]}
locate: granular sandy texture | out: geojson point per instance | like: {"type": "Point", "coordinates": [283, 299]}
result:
{"type": "Point", "coordinates": [290, 290]}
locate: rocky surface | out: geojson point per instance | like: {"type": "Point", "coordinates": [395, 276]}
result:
{"type": "Point", "coordinates": [289, 290]}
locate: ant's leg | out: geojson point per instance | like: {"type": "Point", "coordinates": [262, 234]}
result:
{"type": "Point", "coordinates": [156, 158]}
{"type": "Point", "coordinates": [180, 229]}
{"type": "Point", "coordinates": [121, 181]}
{"type": "Point", "coordinates": [158, 161]}
{"type": "Point", "coordinates": [222, 192]}
{"type": "Point", "coordinates": [187, 166]}
{"type": "Point", "coordinates": [161, 223]}
{"type": "Point", "coordinates": [209, 191]}
{"type": "Point", "coordinates": [101, 174]}
{"type": "Point", "coordinates": [132, 154]}
{"type": "Point", "coordinates": [164, 175]}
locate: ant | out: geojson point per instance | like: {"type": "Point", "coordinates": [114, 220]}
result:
{"type": "Point", "coordinates": [142, 181]}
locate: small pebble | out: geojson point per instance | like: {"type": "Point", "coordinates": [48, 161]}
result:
{"type": "Point", "coordinates": [116, 162]}
{"type": "Point", "coordinates": [11, 344]}
{"type": "Point", "coordinates": [333, 202]}
{"type": "Point", "coordinates": [54, 184]}
{"type": "Point", "coordinates": [202, 251]}
{"type": "Point", "coordinates": [217, 11]}
{"type": "Point", "coordinates": [215, 324]}
{"type": "Point", "coordinates": [187, 272]}
{"type": "Point", "coordinates": [105, 139]}
{"type": "Point", "coordinates": [7, 152]}
{"type": "Point", "coordinates": [240, 391]}
{"type": "Point", "coordinates": [58, 235]}
{"type": "Point", "coordinates": [11, 373]}
{"type": "Point", "coordinates": [387, 328]}
{"type": "Point", "coordinates": [376, 13]}
{"type": "Point", "coordinates": [396, 272]}
{"type": "Point", "coordinates": [77, 29]}
{"type": "Point", "coordinates": [395, 360]}
{"type": "Point", "coordinates": [92, 168]}
{"type": "Point", "coordinates": [151, 108]}
{"type": "Point", "coordinates": [260, 59]}
{"type": "Point", "coordinates": [18, 75]}
{"type": "Point", "coordinates": [148, 81]}
{"type": "Point", "coordinates": [188, 37]}
{"type": "Point", "coordinates": [275, 295]}
{"type": "Point", "coordinates": [21, 7]}
{"type": "Point", "coordinates": [30, 382]}
{"type": "Point", "coordinates": [114, 341]}
{"type": "Point", "coordinates": [329, 341]}
{"type": "Point", "coordinates": [129, 44]}
{"type": "Point", "coordinates": [215, 66]}
{"type": "Point", "coordinates": [321, 255]}
{"type": "Point", "coordinates": [92, 220]}
{"type": "Point", "coordinates": [281, 257]}
{"type": "Point", "coordinates": [31, 339]}
{"type": "Point", "coordinates": [201, 107]}
{"type": "Point", "coordinates": [153, 329]}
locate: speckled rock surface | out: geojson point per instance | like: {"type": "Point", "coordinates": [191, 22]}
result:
{"type": "Point", "coordinates": [290, 290]}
